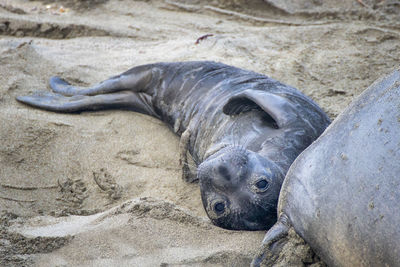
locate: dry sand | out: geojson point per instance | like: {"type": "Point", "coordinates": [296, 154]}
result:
{"type": "Point", "coordinates": [105, 188]}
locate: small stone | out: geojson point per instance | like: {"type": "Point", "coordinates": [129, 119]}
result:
{"type": "Point", "coordinates": [19, 34]}
{"type": "Point", "coordinates": [45, 27]}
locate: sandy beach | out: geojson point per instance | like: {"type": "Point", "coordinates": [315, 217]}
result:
{"type": "Point", "coordinates": [105, 188]}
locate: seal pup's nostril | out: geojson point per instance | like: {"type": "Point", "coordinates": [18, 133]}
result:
{"type": "Point", "coordinates": [224, 172]}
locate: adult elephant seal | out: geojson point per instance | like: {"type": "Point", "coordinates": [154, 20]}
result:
{"type": "Point", "coordinates": [342, 193]}
{"type": "Point", "coordinates": [242, 129]}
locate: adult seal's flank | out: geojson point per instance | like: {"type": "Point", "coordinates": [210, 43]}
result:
{"type": "Point", "coordinates": [242, 129]}
{"type": "Point", "coordinates": [342, 193]}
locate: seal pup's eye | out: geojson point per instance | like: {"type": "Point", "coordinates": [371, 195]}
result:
{"type": "Point", "coordinates": [219, 207]}
{"type": "Point", "coordinates": [260, 186]}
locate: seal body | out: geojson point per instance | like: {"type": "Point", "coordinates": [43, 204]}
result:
{"type": "Point", "coordinates": [341, 194]}
{"type": "Point", "coordinates": [242, 129]}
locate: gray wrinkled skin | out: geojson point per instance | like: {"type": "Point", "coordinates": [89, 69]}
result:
{"type": "Point", "coordinates": [242, 129]}
{"type": "Point", "coordinates": [342, 193]}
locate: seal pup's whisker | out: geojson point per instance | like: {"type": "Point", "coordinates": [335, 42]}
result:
{"type": "Point", "coordinates": [246, 141]}
{"type": "Point", "coordinates": [242, 149]}
{"type": "Point", "coordinates": [264, 205]}
{"type": "Point", "coordinates": [235, 136]}
{"type": "Point", "coordinates": [232, 136]}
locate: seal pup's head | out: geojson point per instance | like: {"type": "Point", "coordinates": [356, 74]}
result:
{"type": "Point", "coordinates": [240, 189]}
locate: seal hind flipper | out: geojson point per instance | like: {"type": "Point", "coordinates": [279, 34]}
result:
{"type": "Point", "coordinates": [280, 109]}
{"type": "Point", "coordinates": [69, 104]}
{"type": "Point", "coordinates": [62, 87]}
{"type": "Point", "coordinates": [59, 85]}
{"type": "Point", "coordinates": [136, 79]}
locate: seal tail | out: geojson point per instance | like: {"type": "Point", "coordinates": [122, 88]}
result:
{"type": "Point", "coordinates": [273, 243]}
{"type": "Point", "coordinates": [69, 104]}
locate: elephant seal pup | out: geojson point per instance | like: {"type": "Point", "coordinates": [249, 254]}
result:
{"type": "Point", "coordinates": [242, 129]}
{"type": "Point", "coordinates": [342, 193]}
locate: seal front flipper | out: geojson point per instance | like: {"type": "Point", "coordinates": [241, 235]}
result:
{"type": "Point", "coordinates": [59, 103]}
{"type": "Point", "coordinates": [281, 110]}
{"type": "Point", "coordinates": [187, 175]}
{"type": "Point", "coordinates": [273, 243]}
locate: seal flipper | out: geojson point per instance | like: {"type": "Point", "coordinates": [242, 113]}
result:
{"type": "Point", "coordinates": [138, 102]}
{"type": "Point", "coordinates": [135, 80]}
{"type": "Point", "coordinates": [273, 243]}
{"type": "Point", "coordinates": [60, 86]}
{"type": "Point", "coordinates": [187, 175]}
{"type": "Point", "coordinates": [281, 110]}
